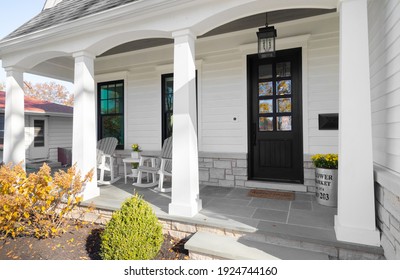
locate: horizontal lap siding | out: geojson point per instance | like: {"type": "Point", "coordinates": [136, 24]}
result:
{"type": "Point", "coordinates": [60, 135]}
{"type": "Point", "coordinates": [323, 90]}
{"type": "Point", "coordinates": [384, 37]}
{"type": "Point", "coordinates": [143, 109]}
{"type": "Point", "coordinates": [223, 96]}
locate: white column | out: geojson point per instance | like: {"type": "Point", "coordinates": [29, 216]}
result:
{"type": "Point", "coordinates": [14, 119]}
{"type": "Point", "coordinates": [355, 221]}
{"type": "Point", "coordinates": [84, 138]}
{"type": "Point", "coordinates": [185, 171]}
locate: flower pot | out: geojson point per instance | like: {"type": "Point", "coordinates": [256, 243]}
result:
{"type": "Point", "coordinates": [134, 172]}
{"type": "Point", "coordinates": [135, 155]}
{"type": "Point", "coordinates": [326, 181]}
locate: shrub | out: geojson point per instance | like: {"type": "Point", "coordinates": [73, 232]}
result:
{"type": "Point", "coordinates": [133, 233]}
{"type": "Point", "coordinates": [38, 204]}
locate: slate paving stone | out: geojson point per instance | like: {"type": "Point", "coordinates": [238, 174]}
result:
{"type": "Point", "coordinates": [273, 204]}
{"type": "Point", "coordinates": [302, 205]}
{"type": "Point", "coordinates": [271, 215]}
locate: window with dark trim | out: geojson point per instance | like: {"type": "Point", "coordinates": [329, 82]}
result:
{"type": "Point", "coordinates": [167, 104]}
{"type": "Point", "coordinates": [38, 134]}
{"type": "Point", "coordinates": [167, 86]}
{"type": "Point", "coordinates": [110, 100]}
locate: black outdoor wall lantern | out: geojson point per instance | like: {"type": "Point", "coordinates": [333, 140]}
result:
{"type": "Point", "coordinates": [266, 40]}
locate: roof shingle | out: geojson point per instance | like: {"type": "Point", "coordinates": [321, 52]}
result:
{"type": "Point", "coordinates": [39, 106]}
{"type": "Point", "coordinates": [65, 11]}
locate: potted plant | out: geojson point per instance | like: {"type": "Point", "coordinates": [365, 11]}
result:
{"type": "Point", "coordinates": [135, 165]}
{"type": "Point", "coordinates": [135, 151]}
{"type": "Point", "coordinates": [326, 178]}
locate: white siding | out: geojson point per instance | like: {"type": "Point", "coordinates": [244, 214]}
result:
{"type": "Point", "coordinates": [323, 94]}
{"type": "Point", "coordinates": [222, 101]}
{"type": "Point", "coordinates": [384, 37]}
{"type": "Point", "coordinates": [143, 110]}
{"type": "Point", "coordinates": [60, 134]}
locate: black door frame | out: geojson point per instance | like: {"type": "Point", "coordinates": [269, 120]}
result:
{"type": "Point", "coordinates": [250, 129]}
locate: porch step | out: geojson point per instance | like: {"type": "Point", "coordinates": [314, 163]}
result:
{"type": "Point", "coordinates": [275, 186]}
{"type": "Point", "coordinates": [313, 239]}
{"type": "Point", "coordinates": [225, 247]}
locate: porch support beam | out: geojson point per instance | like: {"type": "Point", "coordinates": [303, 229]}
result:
{"type": "Point", "coordinates": [185, 199]}
{"type": "Point", "coordinates": [14, 118]}
{"type": "Point", "coordinates": [84, 124]}
{"type": "Point", "coordinates": [355, 221]}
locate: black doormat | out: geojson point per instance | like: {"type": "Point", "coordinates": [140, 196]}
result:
{"type": "Point", "coordinates": [271, 194]}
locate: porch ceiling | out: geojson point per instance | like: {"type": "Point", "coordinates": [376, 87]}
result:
{"type": "Point", "coordinates": [252, 21]}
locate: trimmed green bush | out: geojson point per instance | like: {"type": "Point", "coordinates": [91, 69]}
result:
{"type": "Point", "coordinates": [133, 233]}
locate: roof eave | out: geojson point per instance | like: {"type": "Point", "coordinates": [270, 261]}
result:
{"type": "Point", "coordinates": [93, 22]}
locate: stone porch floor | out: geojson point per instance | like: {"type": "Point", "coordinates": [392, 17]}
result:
{"type": "Point", "coordinates": [301, 223]}
{"type": "Point", "coordinates": [231, 207]}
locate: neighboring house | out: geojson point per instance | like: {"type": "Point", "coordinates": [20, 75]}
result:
{"type": "Point", "coordinates": [238, 121]}
{"type": "Point", "coordinates": [48, 126]}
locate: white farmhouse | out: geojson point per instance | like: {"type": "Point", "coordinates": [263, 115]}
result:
{"type": "Point", "coordinates": [238, 120]}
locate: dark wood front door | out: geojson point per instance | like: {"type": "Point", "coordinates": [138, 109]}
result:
{"type": "Point", "coordinates": [275, 118]}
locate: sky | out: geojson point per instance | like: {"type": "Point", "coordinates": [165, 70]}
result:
{"type": "Point", "coordinates": [12, 15]}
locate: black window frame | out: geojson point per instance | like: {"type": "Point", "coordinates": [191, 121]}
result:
{"type": "Point", "coordinates": [164, 132]}
{"type": "Point", "coordinates": [39, 140]}
{"type": "Point", "coordinates": [120, 145]}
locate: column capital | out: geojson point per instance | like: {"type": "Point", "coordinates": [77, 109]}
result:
{"type": "Point", "coordinates": [183, 33]}
{"type": "Point", "coordinates": [83, 54]}
{"type": "Point", "coordinates": [11, 69]}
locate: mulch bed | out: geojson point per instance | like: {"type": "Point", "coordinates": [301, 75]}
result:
{"type": "Point", "coordinates": [81, 243]}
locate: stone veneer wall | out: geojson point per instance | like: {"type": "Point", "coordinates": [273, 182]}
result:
{"type": "Point", "coordinates": [387, 204]}
{"type": "Point", "coordinates": [224, 169]}
{"type": "Point", "coordinates": [309, 174]}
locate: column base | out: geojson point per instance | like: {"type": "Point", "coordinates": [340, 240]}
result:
{"type": "Point", "coordinates": [91, 190]}
{"type": "Point", "coordinates": [185, 210]}
{"type": "Point", "coordinates": [357, 235]}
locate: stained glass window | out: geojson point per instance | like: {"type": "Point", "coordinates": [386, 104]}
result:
{"type": "Point", "coordinates": [284, 105]}
{"type": "Point", "coordinates": [284, 123]}
{"type": "Point", "coordinates": [284, 87]}
{"type": "Point", "coordinates": [266, 124]}
{"type": "Point", "coordinates": [265, 106]}
{"type": "Point", "coordinates": [265, 89]}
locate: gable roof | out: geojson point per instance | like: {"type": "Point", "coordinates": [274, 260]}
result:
{"type": "Point", "coordinates": [65, 11]}
{"type": "Point", "coordinates": [33, 105]}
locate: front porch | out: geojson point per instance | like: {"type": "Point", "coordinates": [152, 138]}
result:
{"type": "Point", "coordinates": [211, 102]}
{"type": "Point", "coordinates": [297, 229]}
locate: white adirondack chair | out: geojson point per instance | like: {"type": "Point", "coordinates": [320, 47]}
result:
{"type": "Point", "coordinates": [105, 160]}
{"type": "Point", "coordinates": [162, 166]}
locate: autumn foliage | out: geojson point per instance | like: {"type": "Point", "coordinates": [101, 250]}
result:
{"type": "Point", "coordinates": [38, 204]}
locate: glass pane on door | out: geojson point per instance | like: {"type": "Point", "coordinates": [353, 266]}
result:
{"type": "Point", "coordinates": [284, 123]}
{"type": "Point", "coordinates": [265, 106]}
{"type": "Point", "coordinates": [284, 105]}
{"type": "Point", "coordinates": [266, 124]}
{"type": "Point", "coordinates": [265, 89]}
{"type": "Point", "coordinates": [284, 87]}
{"type": "Point", "coordinates": [265, 71]}
{"type": "Point", "coordinates": [283, 69]}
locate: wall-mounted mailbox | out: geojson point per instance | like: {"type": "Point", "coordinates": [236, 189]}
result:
{"type": "Point", "coordinates": [328, 121]}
